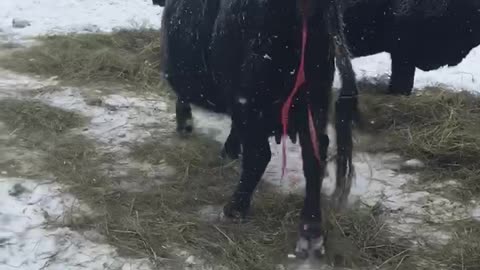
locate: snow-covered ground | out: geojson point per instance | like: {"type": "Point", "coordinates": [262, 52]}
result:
{"type": "Point", "coordinates": [465, 76]}
{"type": "Point", "coordinates": [26, 240]}
{"type": "Point", "coordinates": [69, 16]}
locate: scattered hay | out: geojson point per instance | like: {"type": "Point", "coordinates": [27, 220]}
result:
{"type": "Point", "coordinates": [36, 122]}
{"type": "Point", "coordinates": [261, 243]}
{"type": "Point", "coordinates": [169, 217]}
{"type": "Point", "coordinates": [126, 56]}
{"type": "Point", "coordinates": [463, 250]}
{"type": "Point", "coordinates": [361, 237]}
{"type": "Point", "coordinates": [75, 161]}
{"type": "Point", "coordinates": [439, 127]}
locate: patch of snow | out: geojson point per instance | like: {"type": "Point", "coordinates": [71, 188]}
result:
{"type": "Point", "coordinates": [464, 76]}
{"type": "Point", "coordinates": [33, 237]}
{"type": "Point", "coordinates": [13, 84]}
{"type": "Point", "coordinates": [476, 213]}
{"type": "Point", "coordinates": [75, 16]}
{"type": "Point", "coordinates": [190, 260]}
{"type": "Point", "coordinates": [122, 120]}
{"type": "Point", "coordinates": [414, 163]}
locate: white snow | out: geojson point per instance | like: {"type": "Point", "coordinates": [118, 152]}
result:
{"type": "Point", "coordinates": [476, 213]}
{"type": "Point", "coordinates": [464, 76]}
{"type": "Point", "coordinates": [68, 16]}
{"type": "Point", "coordinates": [32, 236]}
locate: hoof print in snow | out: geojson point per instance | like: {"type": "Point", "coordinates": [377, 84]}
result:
{"type": "Point", "coordinates": [19, 23]}
{"type": "Point", "coordinates": [17, 190]}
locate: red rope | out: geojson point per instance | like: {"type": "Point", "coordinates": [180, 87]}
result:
{"type": "Point", "coordinates": [300, 80]}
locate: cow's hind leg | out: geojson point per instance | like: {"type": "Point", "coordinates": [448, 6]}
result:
{"type": "Point", "coordinates": [403, 75]}
{"type": "Point", "coordinates": [256, 156]}
{"type": "Point", "coordinates": [232, 146]}
{"type": "Point", "coordinates": [311, 236]}
{"type": "Point", "coordinates": [183, 113]}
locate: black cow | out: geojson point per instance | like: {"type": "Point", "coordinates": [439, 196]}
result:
{"type": "Point", "coordinates": [426, 34]}
{"type": "Point", "coordinates": [243, 58]}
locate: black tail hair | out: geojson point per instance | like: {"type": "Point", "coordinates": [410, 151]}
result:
{"type": "Point", "coordinates": [346, 106]}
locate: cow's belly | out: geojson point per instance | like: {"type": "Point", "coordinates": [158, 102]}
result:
{"type": "Point", "coordinates": [434, 50]}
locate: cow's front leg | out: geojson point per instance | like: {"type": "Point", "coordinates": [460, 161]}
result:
{"type": "Point", "coordinates": [183, 114]}
{"type": "Point", "coordinates": [256, 156]}
{"type": "Point", "coordinates": [403, 75]}
{"type": "Point", "coordinates": [232, 146]}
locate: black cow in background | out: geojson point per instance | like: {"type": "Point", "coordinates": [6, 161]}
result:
{"type": "Point", "coordinates": [424, 34]}
{"type": "Point", "coordinates": [243, 58]}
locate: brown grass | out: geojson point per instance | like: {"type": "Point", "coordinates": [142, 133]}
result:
{"type": "Point", "coordinates": [438, 127]}
{"type": "Point", "coordinates": [129, 57]}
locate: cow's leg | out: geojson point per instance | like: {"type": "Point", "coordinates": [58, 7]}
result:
{"type": "Point", "coordinates": [183, 113]}
{"type": "Point", "coordinates": [403, 75]}
{"type": "Point", "coordinates": [253, 135]}
{"type": "Point", "coordinates": [232, 146]}
{"type": "Point", "coordinates": [256, 156]}
{"type": "Point", "coordinates": [311, 235]}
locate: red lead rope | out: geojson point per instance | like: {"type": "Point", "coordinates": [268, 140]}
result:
{"type": "Point", "coordinates": [300, 80]}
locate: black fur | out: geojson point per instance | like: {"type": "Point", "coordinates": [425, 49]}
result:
{"type": "Point", "coordinates": [424, 34]}
{"type": "Point", "coordinates": [159, 2]}
{"type": "Point", "coordinates": [239, 57]}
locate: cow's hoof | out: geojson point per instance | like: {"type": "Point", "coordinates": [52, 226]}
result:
{"type": "Point", "coordinates": [318, 246]}
{"type": "Point", "coordinates": [399, 92]}
{"type": "Point", "coordinates": [185, 127]}
{"type": "Point", "coordinates": [234, 212]}
{"type": "Point", "coordinates": [232, 154]}
{"type": "Point", "coordinates": [302, 249]}
{"type": "Point", "coordinates": [237, 208]}
{"type": "Point", "coordinates": [310, 239]}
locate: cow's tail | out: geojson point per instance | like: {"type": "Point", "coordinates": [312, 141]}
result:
{"type": "Point", "coordinates": [346, 107]}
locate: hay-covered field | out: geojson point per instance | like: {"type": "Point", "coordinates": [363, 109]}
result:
{"type": "Point", "coordinates": [175, 219]}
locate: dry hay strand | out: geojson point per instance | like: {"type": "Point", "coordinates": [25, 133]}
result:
{"type": "Point", "coordinates": [462, 252]}
{"type": "Point", "coordinates": [128, 56]}
{"type": "Point", "coordinates": [265, 239]}
{"type": "Point", "coordinates": [36, 122]}
{"type": "Point", "coordinates": [360, 237]}
{"type": "Point", "coordinates": [437, 126]}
